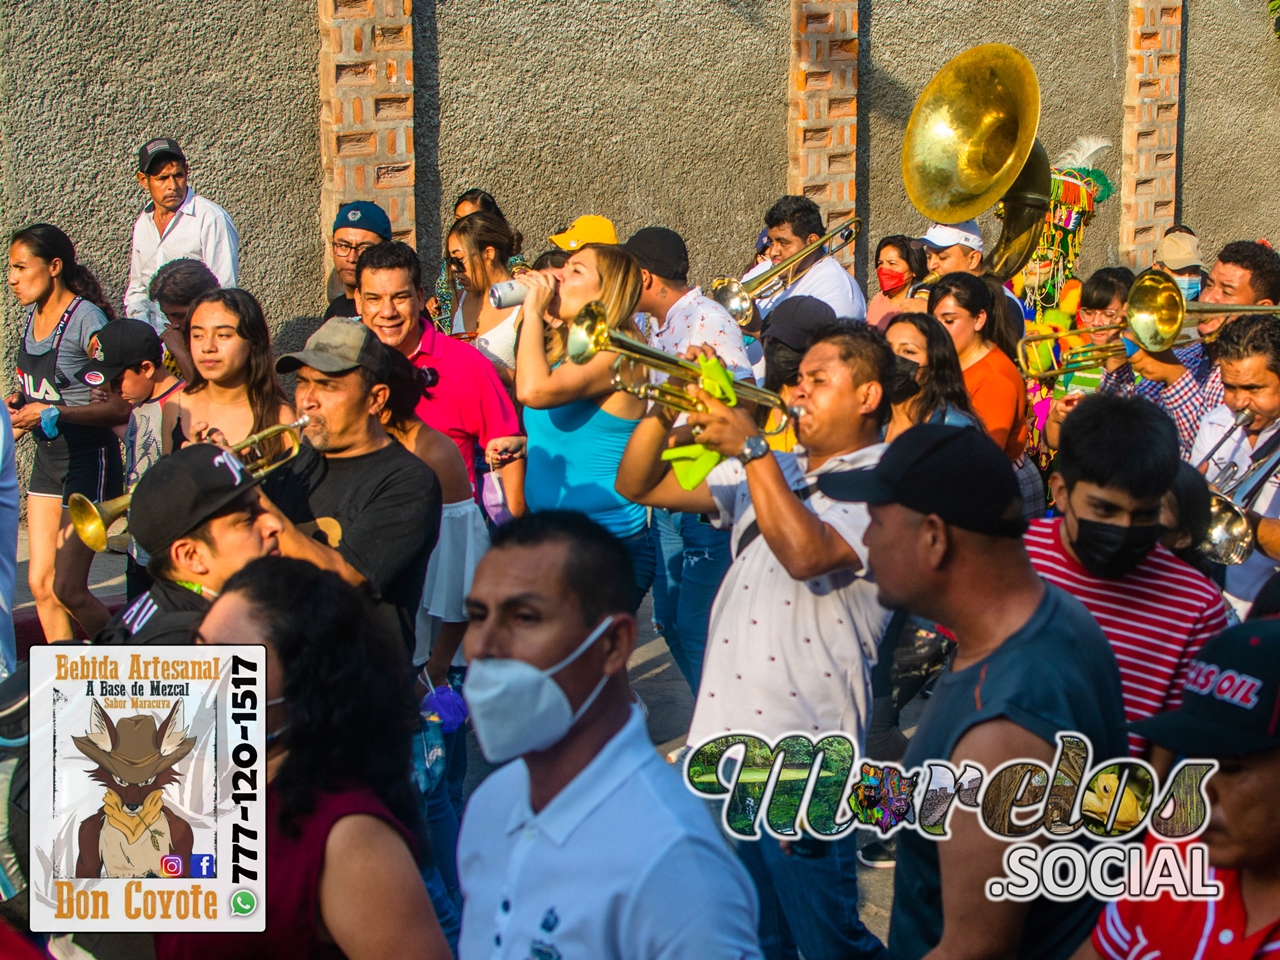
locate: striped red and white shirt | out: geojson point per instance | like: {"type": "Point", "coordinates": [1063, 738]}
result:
{"type": "Point", "coordinates": [1156, 617]}
{"type": "Point", "coordinates": [1169, 929]}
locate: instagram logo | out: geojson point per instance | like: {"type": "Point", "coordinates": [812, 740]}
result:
{"type": "Point", "coordinates": [171, 866]}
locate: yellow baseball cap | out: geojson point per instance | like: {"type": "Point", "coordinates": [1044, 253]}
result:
{"type": "Point", "coordinates": [588, 229]}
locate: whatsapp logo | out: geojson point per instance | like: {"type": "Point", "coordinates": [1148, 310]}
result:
{"type": "Point", "coordinates": [243, 903]}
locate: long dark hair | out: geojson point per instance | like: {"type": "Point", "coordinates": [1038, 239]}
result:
{"type": "Point", "coordinates": [347, 685]}
{"type": "Point", "coordinates": [266, 396]}
{"type": "Point", "coordinates": [47, 242]}
{"type": "Point", "coordinates": [941, 380]}
{"type": "Point", "coordinates": [407, 385]}
{"type": "Point", "coordinates": [976, 295]}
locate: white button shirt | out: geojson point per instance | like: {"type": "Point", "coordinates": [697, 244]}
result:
{"type": "Point", "coordinates": [625, 862]}
{"type": "Point", "coordinates": [200, 230]}
{"type": "Point", "coordinates": [827, 281]}
{"type": "Point", "coordinates": [788, 655]}
{"type": "Point", "coordinates": [1244, 580]}
{"type": "Point", "coordinates": [696, 320]}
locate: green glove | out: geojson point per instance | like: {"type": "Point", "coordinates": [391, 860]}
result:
{"type": "Point", "coordinates": [692, 462]}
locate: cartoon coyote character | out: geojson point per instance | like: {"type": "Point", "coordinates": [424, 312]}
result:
{"type": "Point", "coordinates": [134, 829]}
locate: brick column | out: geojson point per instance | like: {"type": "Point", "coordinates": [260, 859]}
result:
{"type": "Point", "coordinates": [1149, 180]}
{"type": "Point", "coordinates": [822, 129]}
{"type": "Point", "coordinates": [366, 108]}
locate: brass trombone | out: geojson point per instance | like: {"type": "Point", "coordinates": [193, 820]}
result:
{"type": "Point", "coordinates": [1156, 318]}
{"type": "Point", "coordinates": [971, 145]}
{"type": "Point", "coordinates": [92, 520]}
{"type": "Point", "coordinates": [589, 334]}
{"type": "Point", "coordinates": [738, 296]}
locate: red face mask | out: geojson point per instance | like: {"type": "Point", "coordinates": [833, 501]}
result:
{"type": "Point", "coordinates": [891, 281]}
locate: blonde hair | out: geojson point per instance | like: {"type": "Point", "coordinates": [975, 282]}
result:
{"type": "Point", "coordinates": [620, 285]}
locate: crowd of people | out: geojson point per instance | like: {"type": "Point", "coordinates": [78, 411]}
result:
{"type": "Point", "coordinates": [444, 512]}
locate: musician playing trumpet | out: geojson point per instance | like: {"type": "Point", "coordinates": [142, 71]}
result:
{"type": "Point", "coordinates": [795, 625]}
{"type": "Point", "coordinates": [792, 224]}
{"type": "Point", "coordinates": [1249, 362]}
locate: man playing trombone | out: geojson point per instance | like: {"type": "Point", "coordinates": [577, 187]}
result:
{"type": "Point", "coordinates": [1185, 383]}
{"type": "Point", "coordinates": [794, 223]}
{"type": "Point", "coordinates": [795, 626]}
{"type": "Point", "coordinates": [1249, 361]}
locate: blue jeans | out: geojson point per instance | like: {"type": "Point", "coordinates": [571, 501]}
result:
{"type": "Point", "coordinates": [640, 548]}
{"type": "Point", "coordinates": [809, 902]}
{"type": "Point", "coordinates": [455, 750]}
{"type": "Point", "coordinates": [693, 558]}
{"type": "Point", "coordinates": [441, 878]}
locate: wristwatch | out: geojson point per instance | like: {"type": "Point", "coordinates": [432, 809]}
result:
{"type": "Point", "coordinates": [754, 448]}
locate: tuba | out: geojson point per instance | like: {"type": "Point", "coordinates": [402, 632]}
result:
{"type": "Point", "coordinates": [92, 520]}
{"type": "Point", "coordinates": [971, 145]}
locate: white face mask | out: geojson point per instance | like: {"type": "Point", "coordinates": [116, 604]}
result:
{"type": "Point", "coordinates": [517, 708]}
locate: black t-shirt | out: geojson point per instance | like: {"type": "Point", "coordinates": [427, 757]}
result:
{"type": "Point", "coordinates": [342, 306]}
{"type": "Point", "coordinates": [382, 508]}
{"type": "Point", "coordinates": [1056, 673]}
{"type": "Point", "coordinates": [167, 613]}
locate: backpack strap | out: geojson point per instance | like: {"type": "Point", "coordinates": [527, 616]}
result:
{"type": "Point", "coordinates": [753, 528]}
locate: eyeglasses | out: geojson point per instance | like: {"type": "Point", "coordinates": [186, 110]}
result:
{"type": "Point", "coordinates": [343, 249]}
{"type": "Point", "coordinates": [1091, 316]}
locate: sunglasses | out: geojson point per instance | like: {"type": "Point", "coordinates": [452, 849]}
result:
{"type": "Point", "coordinates": [456, 264]}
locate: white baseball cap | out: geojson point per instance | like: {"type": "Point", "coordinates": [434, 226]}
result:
{"type": "Point", "coordinates": [939, 236]}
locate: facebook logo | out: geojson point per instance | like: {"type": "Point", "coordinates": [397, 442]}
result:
{"type": "Point", "coordinates": [202, 865]}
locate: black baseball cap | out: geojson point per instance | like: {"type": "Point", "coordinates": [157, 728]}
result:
{"type": "Point", "coordinates": [116, 347]}
{"type": "Point", "coordinates": [795, 319]}
{"type": "Point", "coordinates": [183, 490]}
{"type": "Point", "coordinates": [341, 344]}
{"type": "Point", "coordinates": [660, 251]}
{"type": "Point", "coordinates": [957, 473]}
{"type": "Point", "coordinates": [153, 150]}
{"type": "Point", "coordinates": [1230, 699]}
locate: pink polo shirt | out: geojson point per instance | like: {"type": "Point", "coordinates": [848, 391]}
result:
{"type": "Point", "coordinates": [469, 403]}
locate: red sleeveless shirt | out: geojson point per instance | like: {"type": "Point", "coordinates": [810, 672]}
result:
{"type": "Point", "coordinates": [293, 887]}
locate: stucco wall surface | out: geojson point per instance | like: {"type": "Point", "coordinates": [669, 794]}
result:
{"type": "Point", "coordinates": [660, 112]}
{"type": "Point", "coordinates": [82, 84]}
{"type": "Point", "coordinates": [1078, 51]}
{"type": "Point", "coordinates": [1231, 125]}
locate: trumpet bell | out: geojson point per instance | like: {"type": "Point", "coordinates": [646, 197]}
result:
{"type": "Point", "coordinates": [91, 521]}
{"type": "Point", "coordinates": [971, 133]}
{"type": "Point", "coordinates": [1230, 539]}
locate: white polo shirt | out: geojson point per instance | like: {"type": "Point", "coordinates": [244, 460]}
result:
{"type": "Point", "coordinates": [827, 281]}
{"type": "Point", "coordinates": [1246, 579]}
{"type": "Point", "coordinates": [696, 320]}
{"type": "Point", "coordinates": [625, 862]}
{"type": "Point", "coordinates": [200, 230]}
{"type": "Point", "coordinates": [788, 655]}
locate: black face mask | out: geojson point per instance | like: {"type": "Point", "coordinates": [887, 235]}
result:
{"type": "Point", "coordinates": [1110, 551]}
{"type": "Point", "coordinates": [905, 385]}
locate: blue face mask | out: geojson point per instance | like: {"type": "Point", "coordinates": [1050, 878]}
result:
{"type": "Point", "coordinates": [1190, 287]}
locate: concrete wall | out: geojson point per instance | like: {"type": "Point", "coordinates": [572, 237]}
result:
{"type": "Point", "coordinates": [1231, 124]}
{"type": "Point", "coordinates": [234, 81]}
{"type": "Point", "coordinates": [1078, 52]}
{"type": "Point", "coordinates": [662, 112]}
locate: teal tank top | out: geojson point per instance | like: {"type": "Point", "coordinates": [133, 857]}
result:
{"type": "Point", "coordinates": [574, 452]}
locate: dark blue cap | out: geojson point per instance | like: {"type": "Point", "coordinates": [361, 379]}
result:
{"type": "Point", "coordinates": [363, 215]}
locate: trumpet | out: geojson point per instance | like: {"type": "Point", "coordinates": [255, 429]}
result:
{"type": "Point", "coordinates": [1156, 318]}
{"type": "Point", "coordinates": [92, 520]}
{"type": "Point", "coordinates": [590, 333]}
{"type": "Point", "coordinates": [739, 296]}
